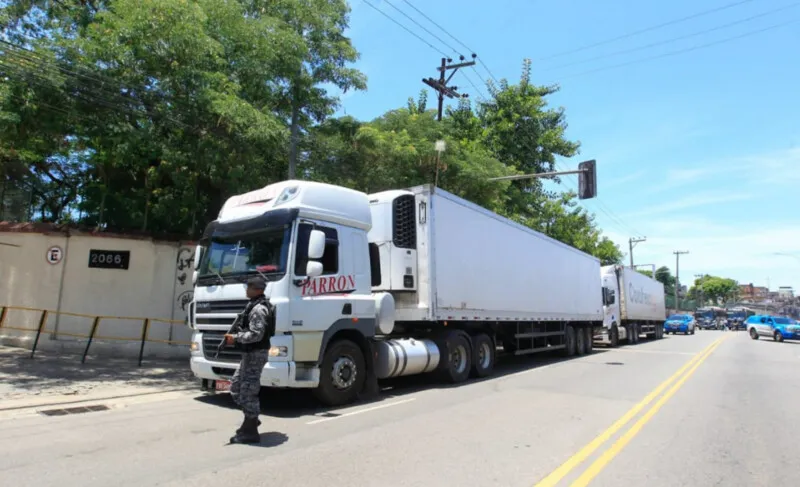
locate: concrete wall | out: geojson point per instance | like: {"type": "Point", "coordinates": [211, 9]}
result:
{"type": "Point", "coordinates": [157, 285]}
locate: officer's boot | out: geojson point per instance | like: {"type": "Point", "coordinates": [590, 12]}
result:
{"type": "Point", "coordinates": [248, 432]}
{"type": "Point", "coordinates": [239, 430]}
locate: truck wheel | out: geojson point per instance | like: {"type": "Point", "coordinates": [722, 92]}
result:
{"type": "Point", "coordinates": [569, 341]}
{"type": "Point", "coordinates": [634, 337]}
{"type": "Point", "coordinates": [613, 336]}
{"type": "Point", "coordinates": [589, 340]}
{"type": "Point", "coordinates": [753, 334]}
{"type": "Point", "coordinates": [456, 357]}
{"type": "Point", "coordinates": [342, 374]}
{"type": "Point", "coordinates": [580, 341]}
{"type": "Point", "coordinates": [483, 351]}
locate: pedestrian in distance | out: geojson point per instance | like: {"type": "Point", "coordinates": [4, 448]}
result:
{"type": "Point", "coordinates": [252, 338]}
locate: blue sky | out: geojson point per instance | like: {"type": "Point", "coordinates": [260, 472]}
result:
{"type": "Point", "coordinates": [697, 151]}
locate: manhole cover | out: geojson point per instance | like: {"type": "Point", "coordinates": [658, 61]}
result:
{"type": "Point", "coordinates": [614, 363]}
{"type": "Point", "coordinates": [75, 410]}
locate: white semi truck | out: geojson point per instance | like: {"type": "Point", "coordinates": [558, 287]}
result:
{"type": "Point", "coordinates": [369, 287]}
{"type": "Point", "coordinates": [633, 304]}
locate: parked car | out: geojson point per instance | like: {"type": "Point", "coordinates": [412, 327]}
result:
{"type": "Point", "coordinates": [680, 324]}
{"type": "Point", "coordinates": [775, 327]}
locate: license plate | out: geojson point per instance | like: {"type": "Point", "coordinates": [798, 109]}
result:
{"type": "Point", "coordinates": [222, 386]}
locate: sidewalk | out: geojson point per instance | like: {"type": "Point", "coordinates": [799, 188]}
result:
{"type": "Point", "coordinates": [53, 378]}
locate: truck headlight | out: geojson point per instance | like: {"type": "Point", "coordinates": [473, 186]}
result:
{"type": "Point", "coordinates": [278, 351]}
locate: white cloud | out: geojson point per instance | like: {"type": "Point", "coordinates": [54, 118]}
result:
{"type": "Point", "coordinates": [686, 202]}
{"type": "Point", "coordinates": [777, 167]}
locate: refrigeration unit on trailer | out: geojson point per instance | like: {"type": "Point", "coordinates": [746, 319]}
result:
{"type": "Point", "coordinates": [392, 284]}
{"type": "Point", "coordinates": [633, 304]}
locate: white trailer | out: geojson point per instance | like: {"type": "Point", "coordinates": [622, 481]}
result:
{"type": "Point", "coordinates": [397, 283]}
{"type": "Point", "coordinates": [633, 304]}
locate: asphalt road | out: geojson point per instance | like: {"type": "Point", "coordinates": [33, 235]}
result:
{"type": "Point", "coordinates": [711, 409]}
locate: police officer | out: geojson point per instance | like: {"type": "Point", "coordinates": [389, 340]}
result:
{"type": "Point", "coordinates": [253, 341]}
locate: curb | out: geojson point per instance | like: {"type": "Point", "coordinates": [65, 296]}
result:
{"type": "Point", "coordinates": [93, 399]}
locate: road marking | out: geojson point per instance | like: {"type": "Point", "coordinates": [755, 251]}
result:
{"type": "Point", "coordinates": [653, 351]}
{"type": "Point", "coordinates": [361, 411]}
{"type": "Point", "coordinates": [597, 466]}
{"type": "Point", "coordinates": [566, 467]}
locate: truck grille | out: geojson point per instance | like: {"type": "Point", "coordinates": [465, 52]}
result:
{"type": "Point", "coordinates": [211, 340]}
{"type": "Point", "coordinates": [229, 306]}
{"type": "Point", "coordinates": [405, 223]}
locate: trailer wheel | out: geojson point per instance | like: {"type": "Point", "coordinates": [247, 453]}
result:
{"type": "Point", "coordinates": [483, 352]}
{"type": "Point", "coordinates": [569, 341]}
{"type": "Point", "coordinates": [456, 357]}
{"type": "Point", "coordinates": [342, 374]}
{"type": "Point", "coordinates": [613, 336]}
{"type": "Point", "coordinates": [580, 341]}
{"type": "Point", "coordinates": [589, 340]}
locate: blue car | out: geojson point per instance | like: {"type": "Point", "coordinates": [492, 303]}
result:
{"type": "Point", "coordinates": [680, 324]}
{"type": "Point", "coordinates": [775, 327]}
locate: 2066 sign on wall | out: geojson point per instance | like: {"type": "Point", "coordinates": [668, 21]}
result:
{"type": "Point", "coordinates": [109, 259]}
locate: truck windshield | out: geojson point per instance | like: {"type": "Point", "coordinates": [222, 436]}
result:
{"type": "Point", "coordinates": [244, 255]}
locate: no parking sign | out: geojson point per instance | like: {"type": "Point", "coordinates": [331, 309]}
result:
{"type": "Point", "coordinates": [54, 255]}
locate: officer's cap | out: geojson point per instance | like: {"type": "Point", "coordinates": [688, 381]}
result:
{"type": "Point", "coordinates": [257, 283]}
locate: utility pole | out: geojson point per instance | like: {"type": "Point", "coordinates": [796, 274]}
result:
{"type": "Point", "coordinates": [631, 243]}
{"type": "Point", "coordinates": [678, 254]}
{"type": "Point", "coordinates": [440, 85]}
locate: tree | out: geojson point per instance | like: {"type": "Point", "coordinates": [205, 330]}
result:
{"type": "Point", "coordinates": [713, 288]}
{"type": "Point", "coordinates": [665, 277]}
{"type": "Point", "coordinates": [645, 272]}
{"type": "Point", "coordinates": [156, 110]}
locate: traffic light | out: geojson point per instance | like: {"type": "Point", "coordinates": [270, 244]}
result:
{"type": "Point", "coordinates": [587, 180]}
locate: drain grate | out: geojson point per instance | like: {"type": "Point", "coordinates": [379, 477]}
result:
{"type": "Point", "coordinates": [75, 410]}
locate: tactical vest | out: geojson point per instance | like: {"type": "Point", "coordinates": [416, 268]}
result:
{"type": "Point", "coordinates": [262, 344]}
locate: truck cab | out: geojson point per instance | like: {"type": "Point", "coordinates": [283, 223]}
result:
{"type": "Point", "coordinates": [612, 313]}
{"type": "Point", "coordinates": [309, 241]}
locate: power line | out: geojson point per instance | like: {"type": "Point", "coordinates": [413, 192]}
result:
{"type": "Point", "coordinates": [422, 27]}
{"type": "Point", "coordinates": [646, 29]}
{"type": "Point", "coordinates": [405, 28]}
{"type": "Point", "coordinates": [451, 36]}
{"type": "Point", "coordinates": [675, 39]}
{"type": "Point", "coordinates": [437, 25]}
{"type": "Point", "coordinates": [683, 51]}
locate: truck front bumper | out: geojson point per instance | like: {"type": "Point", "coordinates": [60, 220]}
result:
{"type": "Point", "coordinates": [275, 374]}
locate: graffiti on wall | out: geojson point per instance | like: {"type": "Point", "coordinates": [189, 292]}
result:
{"type": "Point", "coordinates": [184, 267]}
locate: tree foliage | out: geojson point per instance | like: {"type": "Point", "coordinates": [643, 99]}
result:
{"type": "Point", "coordinates": [148, 114]}
{"type": "Point", "coordinates": [713, 289]}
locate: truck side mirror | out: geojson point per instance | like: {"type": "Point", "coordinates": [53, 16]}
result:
{"type": "Point", "coordinates": [194, 278]}
{"type": "Point", "coordinates": [316, 245]}
{"type": "Point", "coordinates": [313, 269]}
{"type": "Point", "coordinates": [198, 254]}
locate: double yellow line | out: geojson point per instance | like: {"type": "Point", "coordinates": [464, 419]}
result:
{"type": "Point", "coordinates": [679, 378]}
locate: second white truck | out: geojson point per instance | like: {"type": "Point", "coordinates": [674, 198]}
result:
{"type": "Point", "coordinates": [633, 304]}
{"type": "Point", "coordinates": [369, 287]}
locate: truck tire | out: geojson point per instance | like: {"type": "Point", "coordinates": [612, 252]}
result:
{"type": "Point", "coordinates": [633, 336]}
{"type": "Point", "coordinates": [569, 341]}
{"type": "Point", "coordinates": [342, 374]}
{"type": "Point", "coordinates": [483, 355]}
{"type": "Point", "coordinates": [580, 341]}
{"type": "Point", "coordinates": [589, 341]}
{"type": "Point", "coordinates": [613, 336]}
{"type": "Point", "coordinates": [455, 363]}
